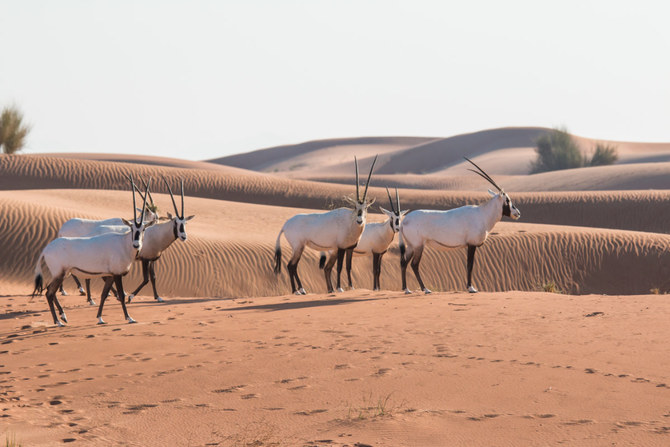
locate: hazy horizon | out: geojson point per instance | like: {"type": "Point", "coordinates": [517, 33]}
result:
{"type": "Point", "coordinates": [200, 80]}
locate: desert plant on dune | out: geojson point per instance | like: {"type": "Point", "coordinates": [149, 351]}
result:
{"type": "Point", "coordinates": [604, 154]}
{"type": "Point", "coordinates": [550, 287]}
{"type": "Point", "coordinates": [13, 131]}
{"type": "Point", "coordinates": [558, 150]}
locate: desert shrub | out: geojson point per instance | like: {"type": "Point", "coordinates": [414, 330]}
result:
{"type": "Point", "coordinates": [558, 150]}
{"type": "Point", "coordinates": [550, 287]}
{"type": "Point", "coordinates": [604, 154]}
{"type": "Point", "coordinates": [13, 131]}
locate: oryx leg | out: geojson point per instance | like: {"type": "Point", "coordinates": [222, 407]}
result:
{"type": "Point", "coordinates": [471, 263]}
{"type": "Point", "coordinates": [145, 274]}
{"type": "Point", "coordinates": [350, 254]}
{"type": "Point", "coordinates": [81, 289]}
{"type": "Point", "coordinates": [377, 269]}
{"type": "Point", "coordinates": [152, 276]}
{"type": "Point", "coordinates": [292, 268]}
{"type": "Point", "coordinates": [404, 260]}
{"type": "Point", "coordinates": [418, 253]}
{"type": "Point", "coordinates": [90, 301]}
{"type": "Point", "coordinates": [118, 279]}
{"type": "Point", "coordinates": [327, 270]}
{"type": "Point", "coordinates": [105, 292]}
{"type": "Point", "coordinates": [50, 294]}
{"type": "Point", "coordinates": [340, 259]}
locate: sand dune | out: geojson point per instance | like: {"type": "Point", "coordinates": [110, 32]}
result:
{"type": "Point", "coordinates": [229, 254]}
{"type": "Point", "coordinates": [627, 210]}
{"type": "Point", "coordinates": [504, 151]}
{"type": "Point", "coordinates": [140, 159]}
{"type": "Point", "coordinates": [599, 178]}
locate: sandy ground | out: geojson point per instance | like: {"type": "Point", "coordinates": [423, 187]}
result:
{"type": "Point", "coordinates": [229, 359]}
{"type": "Point", "coordinates": [358, 368]}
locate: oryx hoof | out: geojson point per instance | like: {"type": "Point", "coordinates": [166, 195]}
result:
{"type": "Point", "coordinates": [340, 289]}
{"type": "Point", "coordinates": [101, 321]}
{"type": "Point", "coordinates": [472, 289]}
{"type": "Point", "coordinates": [302, 291]}
{"type": "Point", "coordinates": [59, 324]}
{"type": "Point", "coordinates": [408, 292]}
{"type": "Point", "coordinates": [159, 299]}
{"type": "Point", "coordinates": [130, 298]}
{"type": "Point", "coordinates": [376, 289]}
{"type": "Point", "coordinates": [91, 303]}
{"type": "Point", "coordinates": [130, 320]}
{"type": "Point", "coordinates": [427, 292]}
{"type": "Point", "coordinates": [63, 292]}
{"type": "Point", "coordinates": [297, 292]}
{"type": "Point", "coordinates": [63, 317]}
{"type": "Point", "coordinates": [82, 291]}
{"type": "Point", "coordinates": [331, 291]}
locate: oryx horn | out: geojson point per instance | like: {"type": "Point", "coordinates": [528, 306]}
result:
{"type": "Point", "coordinates": [174, 204]}
{"type": "Point", "coordinates": [391, 200]}
{"type": "Point", "coordinates": [367, 183]}
{"type": "Point", "coordinates": [358, 198]}
{"type": "Point", "coordinates": [483, 174]}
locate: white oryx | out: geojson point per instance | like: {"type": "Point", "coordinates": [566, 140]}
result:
{"type": "Point", "coordinates": [337, 230]}
{"type": "Point", "coordinates": [375, 241]}
{"type": "Point", "coordinates": [78, 227]}
{"type": "Point", "coordinates": [465, 226]}
{"type": "Point", "coordinates": [157, 239]}
{"type": "Point", "coordinates": [108, 255]}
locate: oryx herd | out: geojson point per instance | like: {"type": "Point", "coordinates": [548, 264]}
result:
{"type": "Point", "coordinates": [343, 231]}
{"type": "Point", "coordinates": [108, 248]}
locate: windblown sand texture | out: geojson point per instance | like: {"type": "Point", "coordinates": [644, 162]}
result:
{"type": "Point", "coordinates": [231, 359]}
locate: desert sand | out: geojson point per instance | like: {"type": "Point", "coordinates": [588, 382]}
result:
{"type": "Point", "coordinates": [231, 359]}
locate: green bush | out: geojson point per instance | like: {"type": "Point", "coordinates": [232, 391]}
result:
{"type": "Point", "coordinates": [605, 154]}
{"type": "Point", "coordinates": [558, 150]}
{"type": "Point", "coordinates": [12, 130]}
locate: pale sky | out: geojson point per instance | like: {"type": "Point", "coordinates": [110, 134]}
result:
{"type": "Point", "coordinates": [203, 79]}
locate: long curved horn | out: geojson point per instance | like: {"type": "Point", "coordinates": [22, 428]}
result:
{"type": "Point", "coordinates": [391, 200]}
{"type": "Point", "coordinates": [358, 198]}
{"type": "Point", "coordinates": [132, 189]}
{"type": "Point", "coordinates": [367, 183]}
{"type": "Point", "coordinates": [483, 174]}
{"type": "Point", "coordinates": [149, 192]}
{"type": "Point", "coordinates": [182, 199]}
{"type": "Point", "coordinates": [144, 203]}
{"type": "Point", "coordinates": [172, 197]}
{"type": "Point", "coordinates": [397, 198]}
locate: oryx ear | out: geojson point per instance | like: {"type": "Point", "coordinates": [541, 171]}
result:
{"type": "Point", "coordinates": [370, 202]}
{"type": "Point", "coordinates": [387, 212]}
{"type": "Point", "coordinates": [403, 212]}
{"type": "Point", "coordinates": [127, 222]}
{"type": "Point", "coordinates": [493, 193]}
{"type": "Point", "coordinates": [189, 218]}
{"type": "Point", "coordinates": [151, 222]}
{"type": "Point", "coordinates": [169, 215]}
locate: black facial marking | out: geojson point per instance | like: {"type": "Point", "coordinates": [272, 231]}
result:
{"type": "Point", "coordinates": [506, 210]}
{"type": "Point", "coordinates": [181, 228]}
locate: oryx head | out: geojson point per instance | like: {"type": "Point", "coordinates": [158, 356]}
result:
{"type": "Point", "coordinates": [508, 208]}
{"type": "Point", "coordinates": [395, 215]}
{"type": "Point", "coordinates": [138, 225]}
{"type": "Point", "coordinates": [178, 220]}
{"type": "Point", "coordinates": [150, 211]}
{"type": "Point", "coordinates": [361, 204]}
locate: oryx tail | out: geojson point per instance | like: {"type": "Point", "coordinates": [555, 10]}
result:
{"type": "Point", "coordinates": [278, 253]}
{"type": "Point", "coordinates": [39, 278]}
